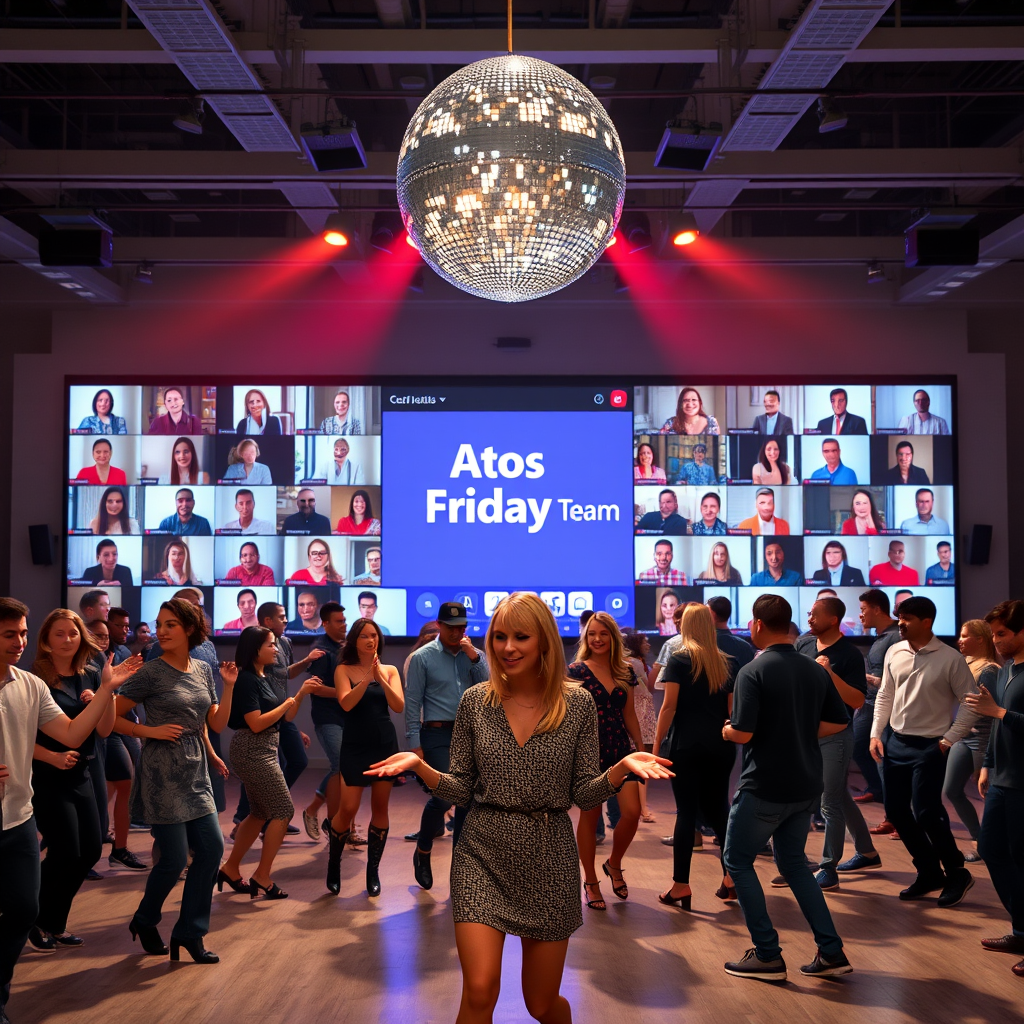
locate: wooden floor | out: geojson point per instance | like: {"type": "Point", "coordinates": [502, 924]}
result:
{"type": "Point", "coordinates": [314, 958]}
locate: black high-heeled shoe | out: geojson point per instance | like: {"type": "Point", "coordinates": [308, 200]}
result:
{"type": "Point", "coordinates": [374, 851]}
{"type": "Point", "coordinates": [235, 883]}
{"type": "Point", "coordinates": [335, 847]}
{"type": "Point", "coordinates": [726, 892]}
{"type": "Point", "coordinates": [195, 949]}
{"type": "Point", "coordinates": [682, 902]}
{"type": "Point", "coordinates": [270, 892]}
{"type": "Point", "coordinates": [149, 937]}
{"type": "Point", "coordinates": [619, 888]}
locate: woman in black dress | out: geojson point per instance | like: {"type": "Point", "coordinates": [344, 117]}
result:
{"type": "Point", "coordinates": [602, 669]}
{"type": "Point", "coordinates": [698, 700]}
{"type": "Point", "coordinates": [367, 691]}
{"type": "Point", "coordinates": [256, 716]}
{"type": "Point", "coordinates": [524, 750]}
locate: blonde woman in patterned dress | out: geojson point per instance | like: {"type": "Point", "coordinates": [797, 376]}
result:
{"type": "Point", "coordinates": [524, 749]}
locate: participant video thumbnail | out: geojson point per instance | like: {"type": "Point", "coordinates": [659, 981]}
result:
{"type": "Point", "coordinates": [105, 560]}
{"type": "Point", "coordinates": [235, 608]}
{"type": "Point", "coordinates": [905, 460]}
{"type": "Point", "coordinates": [835, 460]}
{"type": "Point", "coordinates": [913, 409]}
{"type": "Point", "coordinates": [850, 511]}
{"type": "Point", "coordinates": [758, 511]}
{"type": "Point", "coordinates": [338, 461]}
{"type": "Point", "coordinates": [176, 461]}
{"type": "Point", "coordinates": [246, 510]}
{"type": "Point", "coordinates": [742, 600]}
{"type": "Point", "coordinates": [678, 409]}
{"type": "Point", "coordinates": [249, 561]}
{"type": "Point", "coordinates": [304, 511]}
{"type": "Point", "coordinates": [838, 410]}
{"type": "Point", "coordinates": [341, 410]}
{"type": "Point", "coordinates": [764, 461]}
{"type": "Point", "coordinates": [184, 511]}
{"type": "Point", "coordinates": [106, 409]}
{"type": "Point", "coordinates": [103, 461]}
{"type": "Point", "coordinates": [175, 410]}
{"type": "Point", "coordinates": [835, 562]}
{"type": "Point", "coordinates": [766, 409]}
{"type": "Point", "coordinates": [655, 607]}
{"type": "Point", "coordinates": [177, 561]}
{"type": "Point", "coordinates": [105, 511]}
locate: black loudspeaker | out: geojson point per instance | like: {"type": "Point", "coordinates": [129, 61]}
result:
{"type": "Point", "coordinates": [941, 247]}
{"type": "Point", "coordinates": [41, 540]}
{"type": "Point", "coordinates": [76, 247]}
{"type": "Point", "coordinates": [979, 544]}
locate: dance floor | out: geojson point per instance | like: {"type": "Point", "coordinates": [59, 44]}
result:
{"type": "Point", "coordinates": [315, 958]}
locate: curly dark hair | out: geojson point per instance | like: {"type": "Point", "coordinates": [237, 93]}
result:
{"type": "Point", "coordinates": [191, 618]}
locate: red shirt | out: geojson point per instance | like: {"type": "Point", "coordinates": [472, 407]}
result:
{"type": "Point", "coordinates": [262, 577]}
{"type": "Point", "coordinates": [91, 476]}
{"type": "Point", "coordinates": [885, 575]}
{"type": "Point", "coordinates": [850, 528]}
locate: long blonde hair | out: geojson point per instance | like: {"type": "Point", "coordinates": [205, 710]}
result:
{"type": "Point", "coordinates": [529, 614]}
{"type": "Point", "coordinates": [711, 572]}
{"type": "Point", "coordinates": [697, 628]}
{"type": "Point", "coordinates": [43, 665]}
{"type": "Point", "coordinates": [622, 671]}
{"type": "Point", "coordinates": [981, 630]}
{"type": "Point", "coordinates": [186, 565]}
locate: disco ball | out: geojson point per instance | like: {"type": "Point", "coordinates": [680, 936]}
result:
{"type": "Point", "coordinates": [511, 179]}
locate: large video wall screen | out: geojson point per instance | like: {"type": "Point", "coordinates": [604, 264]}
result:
{"type": "Point", "coordinates": [620, 495]}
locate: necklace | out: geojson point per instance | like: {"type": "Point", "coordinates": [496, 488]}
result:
{"type": "Point", "coordinates": [528, 707]}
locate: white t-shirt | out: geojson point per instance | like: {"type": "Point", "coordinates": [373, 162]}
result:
{"type": "Point", "coordinates": [25, 704]}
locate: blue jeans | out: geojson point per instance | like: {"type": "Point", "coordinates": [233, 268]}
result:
{"type": "Point", "coordinates": [436, 744]}
{"type": "Point", "coordinates": [962, 762]}
{"type": "Point", "coordinates": [329, 738]}
{"type": "Point", "coordinates": [861, 755]}
{"type": "Point", "coordinates": [19, 896]}
{"type": "Point", "coordinates": [1002, 846]}
{"type": "Point", "coordinates": [613, 816]}
{"type": "Point", "coordinates": [752, 822]}
{"type": "Point", "coordinates": [835, 755]}
{"type": "Point", "coordinates": [204, 838]}
{"type": "Point", "coordinates": [292, 755]}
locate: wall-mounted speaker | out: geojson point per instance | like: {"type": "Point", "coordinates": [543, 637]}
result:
{"type": "Point", "coordinates": [979, 544]}
{"type": "Point", "coordinates": [43, 544]}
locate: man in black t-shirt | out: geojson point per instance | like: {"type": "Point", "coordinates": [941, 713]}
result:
{"type": "Point", "coordinates": [782, 703]}
{"type": "Point", "coordinates": [826, 645]}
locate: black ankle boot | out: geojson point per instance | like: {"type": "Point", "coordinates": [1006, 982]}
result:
{"type": "Point", "coordinates": [374, 850]}
{"type": "Point", "coordinates": [335, 848]}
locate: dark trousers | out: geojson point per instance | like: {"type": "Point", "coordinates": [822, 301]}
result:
{"type": "Point", "coordinates": [861, 754]}
{"type": "Point", "coordinates": [1002, 846]}
{"type": "Point", "coordinates": [292, 755]}
{"type": "Point", "coordinates": [752, 822]}
{"type": "Point", "coordinates": [204, 838]}
{"type": "Point", "coordinates": [913, 771]}
{"type": "Point", "coordinates": [19, 895]}
{"type": "Point", "coordinates": [98, 774]}
{"type": "Point", "coordinates": [700, 786]}
{"type": "Point", "coordinates": [67, 817]}
{"type": "Point", "coordinates": [436, 745]}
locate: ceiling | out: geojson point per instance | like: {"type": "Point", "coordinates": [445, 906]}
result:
{"type": "Point", "coordinates": [933, 92]}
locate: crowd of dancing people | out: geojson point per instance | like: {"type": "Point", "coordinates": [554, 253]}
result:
{"type": "Point", "coordinates": [111, 732]}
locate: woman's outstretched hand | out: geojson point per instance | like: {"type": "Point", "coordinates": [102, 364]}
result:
{"type": "Point", "coordinates": [647, 766]}
{"type": "Point", "coordinates": [406, 761]}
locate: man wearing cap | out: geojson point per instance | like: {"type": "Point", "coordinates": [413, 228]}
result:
{"type": "Point", "coordinates": [698, 473]}
{"type": "Point", "coordinates": [439, 673]}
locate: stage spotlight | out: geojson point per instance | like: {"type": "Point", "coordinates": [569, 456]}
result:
{"type": "Point", "coordinates": [636, 230]}
{"type": "Point", "coordinates": [143, 273]}
{"type": "Point", "coordinates": [333, 145]}
{"type": "Point", "coordinates": [876, 273]}
{"type": "Point", "coordinates": [192, 120]}
{"type": "Point", "coordinates": [830, 117]}
{"type": "Point", "coordinates": [338, 231]}
{"type": "Point", "coordinates": [683, 230]}
{"type": "Point", "coordinates": [386, 232]}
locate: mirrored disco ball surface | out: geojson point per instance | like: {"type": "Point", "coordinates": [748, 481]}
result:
{"type": "Point", "coordinates": [511, 179]}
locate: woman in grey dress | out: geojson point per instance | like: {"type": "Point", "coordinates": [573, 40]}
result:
{"type": "Point", "coordinates": [172, 790]}
{"type": "Point", "coordinates": [524, 749]}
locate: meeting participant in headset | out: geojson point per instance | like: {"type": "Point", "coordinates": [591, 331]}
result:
{"type": "Point", "coordinates": [184, 522]}
{"type": "Point", "coordinates": [833, 471]}
{"type": "Point", "coordinates": [905, 472]}
{"type": "Point", "coordinates": [344, 471]}
{"type": "Point", "coordinates": [765, 523]}
{"type": "Point", "coordinates": [925, 521]}
{"type": "Point", "coordinates": [177, 566]}
{"type": "Point", "coordinates": [307, 618]}
{"type": "Point", "coordinates": [769, 468]}
{"type": "Point", "coordinates": [1001, 782]}
{"type": "Point", "coordinates": [775, 573]}
{"type": "Point", "coordinates": [698, 472]}
{"type": "Point", "coordinates": [106, 569]}
{"type": "Point", "coordinates": [242, 464]}
{"type": "Point", "coordinates": [439, 674]}
{"type": "Point", "coordinates": [102, 472]}
{"type": "Point", "coordinates": [372, 574]}
{"type": "Point", "coordinates": [771, 421]}
{"type": "Point", "coordinates": [246, 602]}
{"type": "Point", "coordinates": [246, 523]}
{"type": "Point", "coordinates": [341, 422]}
{"type": "Point", "coordinates": [258, 418]}
{"type": "Point", "coordinates": [864, 517]}
{"type": "Point", "coordinates": [28, 703]}
{"type": "Point", "coordinates": [690, 417]}
{"type": "Point", "coordinates": [943, 571]}
{"type": "Point", "coordinates": [667, 519]}
{"type": "Point", "coordinates": [250, 571]}
{"type": "Point", "coordinates": [185, 468]}
{"type": "Point", "coordinates": [825, 644]}
{"type": "Point", "coordinates": [306, 521]}
{"type": "Point", "coordinates": [103, 420]}
{"type": "Point", "coordinates": [646, 470]}
{"type": "Point", "coordinates": [893, 573]}
{"type": "Point", "coordinates": [835, 568]}
{"type": "Point", "coordinates": [661, 574]}
{"type": "Point", "coordinates": [368, 610]}
{"type": "Point", "coordinates": [176, 420]}
{"type": "Point", "coordinates": [112, 517]}
{"type": "Point", "coordinates": [719, 569]}
{"type": "Point", "coordinates": [782, 704]}
{"type": "Point", "coordinates": [709, 525]}
{"type": "Point", "coordinates": [921, 421]}
{"type": "Point", "coordinates": [911, 733]}
{"type": "Point", "coordinates": [841, 421]}
{"type": "Point", "coordinates": [665, 617]}
{"type": "Point", "coordinates": [320, 569]}
{"type": "Point", "coordinates": [360, 520]}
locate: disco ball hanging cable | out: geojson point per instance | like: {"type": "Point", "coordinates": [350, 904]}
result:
{"type": "Point", "coordinates": [511, 178]}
